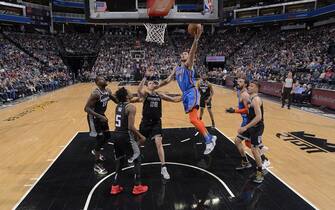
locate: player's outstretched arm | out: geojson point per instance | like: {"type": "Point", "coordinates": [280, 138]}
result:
{"type": "Point", "coordinates": [112, 97]}
{"type": "Point", "coordinates": [136, 100]}
{"type": "Point", "coordinates": [190, 61]}
{"type": "Point", "coordinates": [167, 80]}
{"type": "Point", "coordinates": [140, 90]}
{"type": "Point", "coordinates": [168, 98]}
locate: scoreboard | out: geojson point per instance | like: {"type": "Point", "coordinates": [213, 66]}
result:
{"type": "Point", "coordinates": [134, 11]}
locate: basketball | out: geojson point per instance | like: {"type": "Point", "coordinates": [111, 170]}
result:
{"type": "Point", "coordinates": [193, 28]}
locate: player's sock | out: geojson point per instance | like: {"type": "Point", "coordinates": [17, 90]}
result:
{"type": "Point", "coordinates": [116, 188]}
{"type": "Point", "coordinates": [137, 171]}
{"type": "Point", "coordinates": [193, 115]}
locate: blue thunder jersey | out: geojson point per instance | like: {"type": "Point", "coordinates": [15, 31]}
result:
{"type": "Point", "coordinates": [241, 106]}
{"type": "Point", "coordinates": [185, 78]}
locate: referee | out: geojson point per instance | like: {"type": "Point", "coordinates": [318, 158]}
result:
{"type": "Point", "coordinates": [287, 90]}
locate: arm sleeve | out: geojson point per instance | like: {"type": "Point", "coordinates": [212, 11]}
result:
{"type": "Point", "coordinates": [242, 111]}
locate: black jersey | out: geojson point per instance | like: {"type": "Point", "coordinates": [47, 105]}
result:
{"type": "Point", "coordinates": [252, 114]}
{"type": "Point", "coordinates": [152, 107]}
{"type": "Point", "coordinates": [121, 118]}
{"type": "Point", "coordinates": [101, 105]}
{"type": "Point", "coordinates": [204, 89]}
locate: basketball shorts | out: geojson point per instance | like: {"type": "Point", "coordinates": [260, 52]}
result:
{"type": "Point", "coordinates": [190, 99]}
{"type": "Point", "coordinates": [96, 126]}
{"type": "Point", "coordinates": [254, 134]}
{"type": "Point", "coordinates": [244, 120]}
{"type": "Point", "coordinates": [151, 128]}
{"type": "Point", "coordinates": [203, 103]}
{"type": "Point", "coordinates": [124, 145]}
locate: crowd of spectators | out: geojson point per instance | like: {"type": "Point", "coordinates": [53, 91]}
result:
{"type": "Point", "coordinates": [302, 93]}
{"type": "Point", "coordinates": [126, 52]}
{"type": "Point", "coordinates": [42, 47]}
{"type": "Point", "coordinates": [270, 54]}
{"type": "Point", "coordinates": [21, 75]}
{"type": "Point", "coordinates": [79, 43]}
{"type": "Point", "coordinates": [123, 54]}
{"type": "Point", "coordinates": [266, 54]}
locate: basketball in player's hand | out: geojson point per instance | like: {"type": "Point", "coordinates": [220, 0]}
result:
{"type": "Point", "coordinates": [194, 29]}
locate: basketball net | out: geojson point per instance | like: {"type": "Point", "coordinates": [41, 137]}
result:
{"type": "Point", "coordinates": [157, 9]}
{"type": "Point", "coordinates": [155, 32]}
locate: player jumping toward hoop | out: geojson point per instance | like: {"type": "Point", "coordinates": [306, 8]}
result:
{"type": "Point", "coordinates": [185, 76]}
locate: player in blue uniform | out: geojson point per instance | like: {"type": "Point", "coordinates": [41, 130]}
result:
{"type": "Point", "coordinates": [185, 76]}
{"type": "Point", "coordinates": [243, 100]}
{"type": "Point", "coordinates": [243, 106]}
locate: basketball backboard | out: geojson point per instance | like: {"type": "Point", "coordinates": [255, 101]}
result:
{"type": "Point", "coordinates": [135, 11]}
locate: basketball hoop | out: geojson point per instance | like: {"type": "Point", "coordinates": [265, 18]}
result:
{"type": "Point", "coordinates": [155, 32]}
{"type": "Point", "coordinates": [157, 9]}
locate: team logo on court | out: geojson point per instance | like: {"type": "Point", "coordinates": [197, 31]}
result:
{"type": "Point", "coordinates": [31, 109]}
{"type": "Point", "coordinates": [307, 142]}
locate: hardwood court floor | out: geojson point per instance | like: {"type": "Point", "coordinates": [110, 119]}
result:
{"type": "Point", "coordinates": [34, 132]}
